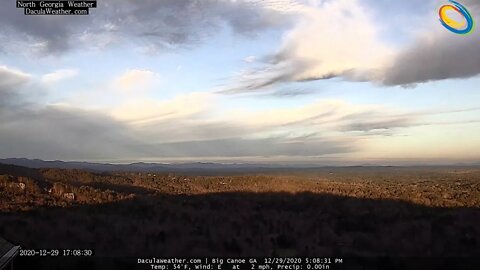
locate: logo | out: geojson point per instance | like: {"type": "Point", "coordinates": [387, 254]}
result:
{"type": "Point", "coordinates": [462, 27]}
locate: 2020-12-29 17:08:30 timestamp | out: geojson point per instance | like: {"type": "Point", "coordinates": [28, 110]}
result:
{"type": "Point", "coordinates": [56, 252]}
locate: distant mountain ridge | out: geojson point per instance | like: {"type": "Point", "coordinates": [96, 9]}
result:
{"type": "Point", "coordinates": [194, 167]}
{"type": "Point", "coordinates": [141, 166]}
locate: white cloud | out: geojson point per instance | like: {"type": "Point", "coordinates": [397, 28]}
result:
{"type": "Point", "coordinates": [328, 116]}
{"type": "Point", "coordinates": [135, 81]}
{"type": "Point", "coordinates": [284, 6]}
{"type": "Point", "coordinates": [250, 59]}
{"type": "Point", "coordinates": [335, 38]}
{"type": "Point", "coordinates": [142, 111]}
{"type": "Point", "coordinates": [98, 40]}
{"type": "Point", "coordinates": [58, 75]}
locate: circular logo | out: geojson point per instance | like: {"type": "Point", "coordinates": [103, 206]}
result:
{"type": "Point", "coordinates": [458, 27]}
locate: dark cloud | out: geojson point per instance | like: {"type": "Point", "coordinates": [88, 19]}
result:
{"type": "Point", "coordinates": [373, 123]}
{"type": "Point", "coordinates": [276, 70]}
{"type": "Point", "coordinates": [376, 125]}
{"type": "Point", "coordinates": [287, 93]}
{"type": "Point", "coordinates": [442, 55]}
{"type": "Point", "coordinates": [54, 31]}
{"type": "Point", "coordinates": [445, 57]}
{"type": "Point", "coordinates": [157, 23]}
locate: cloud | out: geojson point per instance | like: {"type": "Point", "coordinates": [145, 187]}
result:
{"type": "Point", "coordinates": [345, 39]}
{"type": "Point", "coordinates": [290, 92]}
{"type": "Point", "coordinates": [331, 39]}
{"type": "Point", "coordinates": [250, 59]}
{"type": "Point", "coordinates": [321, 113]}
{"type": "Point", "coordinates": [11, 78]}
{"type": "Point", "coordinates": [143, 111]}
{"type": "Point", "coordinates": [437, 54]}
{"type": "Point", "coordinates": [337, 38]}
{"type": "Point", "coordinates": [11, 83]}
{"type": "Point", "coordinates": [156, 24]}
{"type": "Point", "coordinates": [438, 57]}
{"type": "Point", "coordinates": [114, 143]}
{"type": "Point", "coordinates": [58, 75]}
{"type": "Point", "coordinates": [187, 126]}
{"type": "Point", "coordinates": [380, 124]}
{"type": "Point", "coordinates": [56, 132]}
{"type": "Point", "coordinates": [134, 81]}
{"type": "Point", "coordinates": [62, 133]}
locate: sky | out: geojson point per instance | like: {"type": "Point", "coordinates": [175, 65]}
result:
{"type": "Point", "coordinates": [277, 81]}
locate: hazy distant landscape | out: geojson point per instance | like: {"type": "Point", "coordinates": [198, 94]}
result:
{"type": "Point", "coordinates": [351, 211]}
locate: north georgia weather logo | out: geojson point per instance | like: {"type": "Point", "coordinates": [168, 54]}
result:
{"type": "Point", "coordinates": [463, 27]}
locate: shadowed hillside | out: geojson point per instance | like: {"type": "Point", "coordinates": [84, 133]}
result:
{"type": "Point", "coordinates": [132, 215]}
